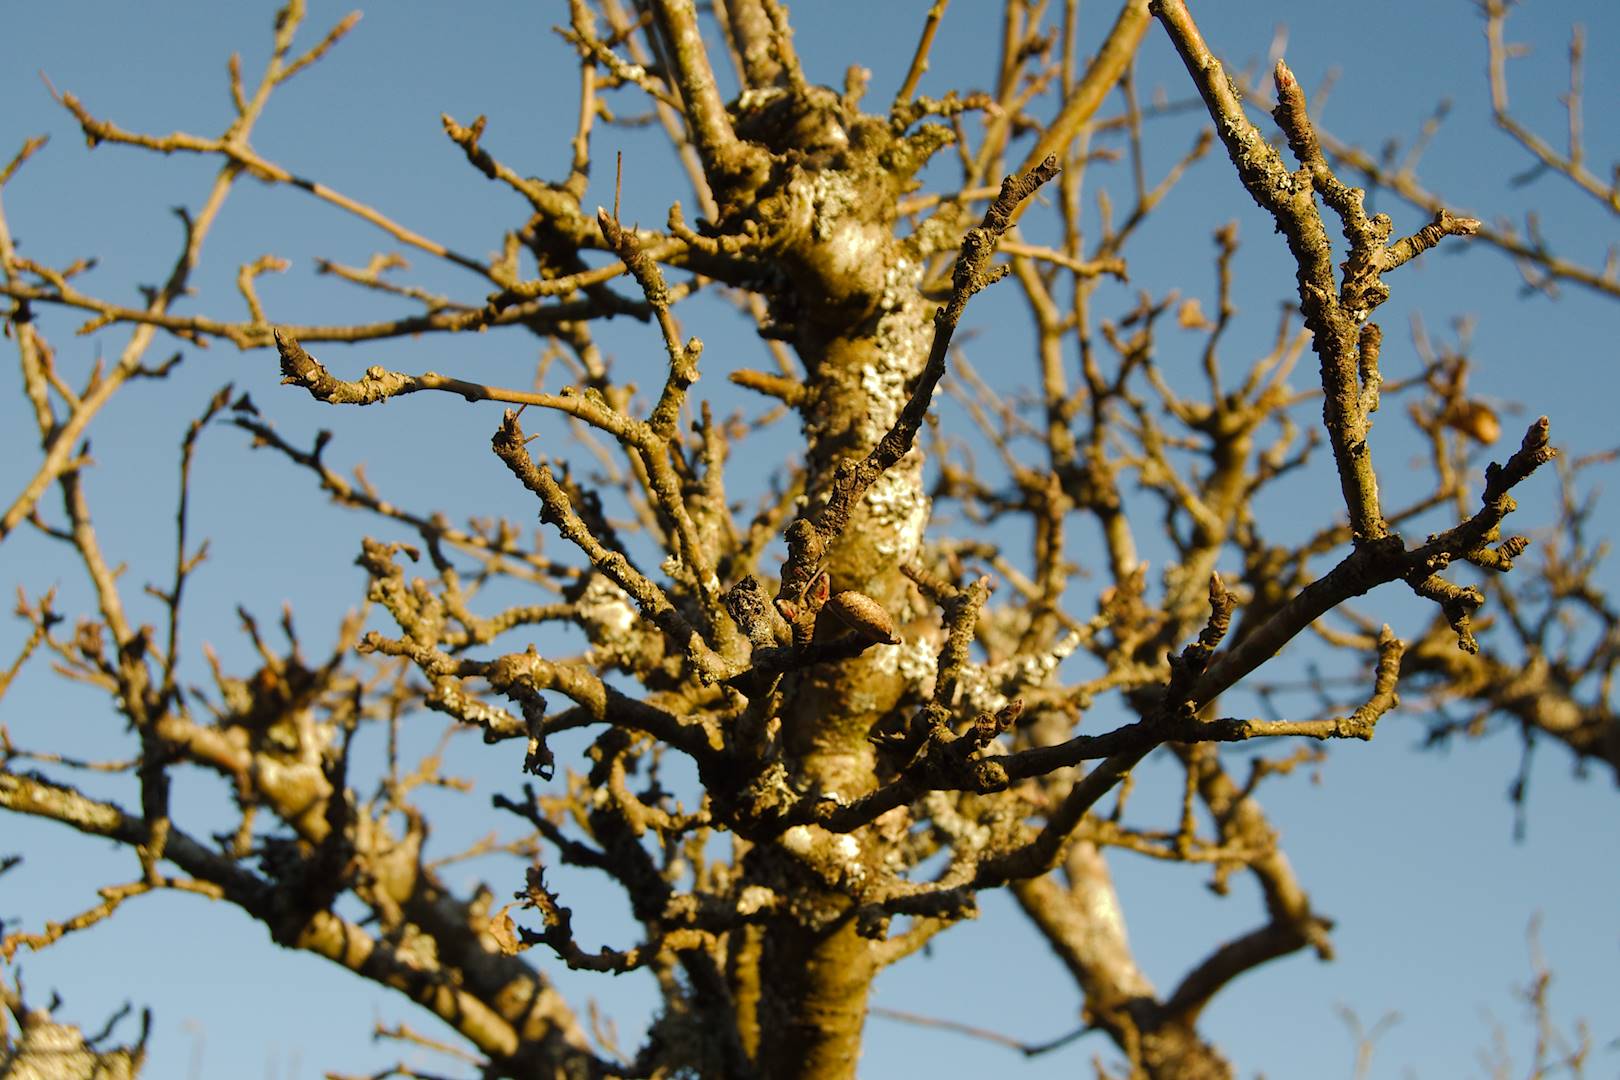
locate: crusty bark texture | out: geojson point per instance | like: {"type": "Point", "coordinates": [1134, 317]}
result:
{"type": "Point", "coordinates": [821, 720]}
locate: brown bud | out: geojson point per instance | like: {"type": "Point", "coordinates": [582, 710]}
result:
{"type": "Point", "coordinates": [819, 589]}
{"type": "Point", "coordinates": [1009, 713]}
{"type": "Point", "coordinates": [863, 615]}
{"type": "Point", "coordinates": [987, 725]}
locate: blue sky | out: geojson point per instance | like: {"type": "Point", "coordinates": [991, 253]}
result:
{"type": "Point", "coordinates": [1412, 853]}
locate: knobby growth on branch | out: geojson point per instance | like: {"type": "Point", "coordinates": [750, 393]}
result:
{"type": "Point", "coordinates": [817, 727]}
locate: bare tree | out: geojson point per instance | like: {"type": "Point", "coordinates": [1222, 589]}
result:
{"type": "Point", "coordinates": [820, 725]}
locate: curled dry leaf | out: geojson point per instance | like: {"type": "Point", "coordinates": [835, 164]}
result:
{"type": "Point", "coordinates": [504, 931]}
{"type": "Point", "coordinates": [1475, 419]}
{"type": "Point", "coordinates": [1190, 315]}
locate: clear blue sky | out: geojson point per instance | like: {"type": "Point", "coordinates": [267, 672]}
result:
{"type": "Point", "coordinates": [1411, 852]}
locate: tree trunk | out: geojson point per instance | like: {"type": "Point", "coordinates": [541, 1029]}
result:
{"type": "Point", "coordinates": [863, 334]}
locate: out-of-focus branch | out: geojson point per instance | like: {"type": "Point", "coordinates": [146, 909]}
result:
{"type": "Point", "coordinates": [919, 58]}
{"type": "Point", "coordinates": [723, 156]}
{"type": "Point", "coordinates": [241, 157]}
{"type": "Point", "coordinates": [60, 440]}
{"type": "Point", "coordinates": [1083, 100]}
{"type": "Point", "coordinates": [1570, 164]}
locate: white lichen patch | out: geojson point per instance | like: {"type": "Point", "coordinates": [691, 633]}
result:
{"type": "Point", "coordinates": [859, 702]}
{"type": "Point", "coordinates": [754, 899]}
{"type": "Point", "coordinates": [798, 840]}
{"type": "Point", "coordinates": [604, 608]}
{"type": "Point", "coordinates": [758, 98]}
{"type": "Point", "coordinates": [610, 621]}
{"type": "Point", "coordinates": [967, 835]}
{"type": "Point", "coordinates": [986, 689]}
{"type": "Point", "coordinates": [846, 850]}
{"type": "Point", "coordinates": [884, 384]}
{"type": "Point", "coordinates": [903, 335]}
{"type": "Point", "coordinates": [416, 949]}
{"type": "Point", "coordinates": [834, 195]}
{"type": "Point", "coordinates": [900, 284]}
{"type": "Point", "coordinates": [916, 660]}
{"type": "Point", "coordinates": [836, 856]}
{"type": "Point", "coordinates": [899, 510]}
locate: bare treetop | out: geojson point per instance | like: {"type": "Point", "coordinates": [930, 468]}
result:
{"type": "Point", "coordinates": [803, 730]}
